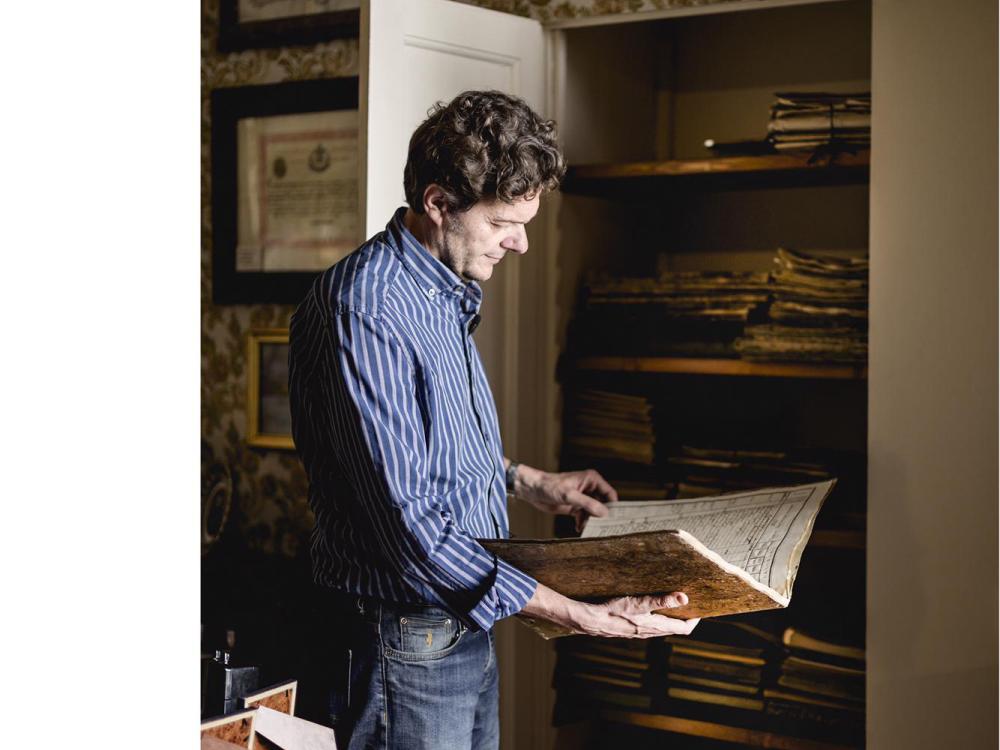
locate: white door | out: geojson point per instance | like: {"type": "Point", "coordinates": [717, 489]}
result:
{"type": "Point", "coordinates": [418, 52]}
{"type": "Point", "coordinates": [414, 53]}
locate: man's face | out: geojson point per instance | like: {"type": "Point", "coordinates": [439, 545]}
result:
{"type": "Point", "coordinates": [475, 241]}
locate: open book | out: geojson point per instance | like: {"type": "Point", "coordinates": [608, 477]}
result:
{"type": "Point", "coordinates": [732, 553]}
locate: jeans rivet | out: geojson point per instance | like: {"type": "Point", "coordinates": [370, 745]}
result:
{"type": "Point", "coordinates": [402, 620]}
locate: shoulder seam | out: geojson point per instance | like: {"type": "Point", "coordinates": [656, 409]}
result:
{"type": "Point", "coordinates": [386, 282]}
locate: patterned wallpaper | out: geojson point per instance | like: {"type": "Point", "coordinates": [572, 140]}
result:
{"type": "Point", "coordinates": [549, 10]}
{"type": "Point", "coordinates": [270, 512]}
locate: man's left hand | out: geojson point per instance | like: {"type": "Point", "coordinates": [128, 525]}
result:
{"type": "Point", "coordinates": [580, 494]}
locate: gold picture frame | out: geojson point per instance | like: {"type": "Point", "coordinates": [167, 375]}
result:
{"type": "Point", "coordinates": [268, 416]}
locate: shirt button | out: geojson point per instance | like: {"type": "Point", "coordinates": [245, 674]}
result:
{"type": "Point", "coordinates": [431, 293]}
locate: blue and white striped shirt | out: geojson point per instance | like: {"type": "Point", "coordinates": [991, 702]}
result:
{"type": "Point", "coordinates": [395, 423]}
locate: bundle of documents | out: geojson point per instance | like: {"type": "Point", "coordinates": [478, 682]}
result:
{"type": "Point", "coordinates": [819, 312]}
{"type": "Point", "coordinates": [611, 425]}
{"type": "Point", "coordinates": [820, 690]}
{"type": "Point", "coordinates": [689, 313]}
{"type": "Point", "coordinates": [604, 672]}
{"type": "Point", "coordinates": [700, 471]}
{"type": "Point", "coordinates": [718, 673]}
{"type": "Point", "coordinates": [779, 343]}
{"type": "Point", "coordinates": [808, 120]}
{"type": "Point", "coordinates": [640, 490]}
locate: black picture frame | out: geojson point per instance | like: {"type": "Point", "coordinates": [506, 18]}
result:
{"type": "Point", "coordinates": [229, 106]}
{"type": "Point", "coordinates": [314, 28]}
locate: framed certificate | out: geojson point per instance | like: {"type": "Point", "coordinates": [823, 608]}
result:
{"type": "Point", "coordinates": [247, 24]}
{"type": "Point", "coordinates": [269, 417]}
{"type": "Point", "coordinates": [285, 187]}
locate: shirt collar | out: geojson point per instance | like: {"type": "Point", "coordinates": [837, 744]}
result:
{"type": "Point", "coordinates": [431, 275]}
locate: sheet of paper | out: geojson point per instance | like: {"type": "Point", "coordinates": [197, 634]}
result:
{"type": "Point", "coordinates": [297, 191]}
{"type": "Point", "coordinates": [762, 531]}
{"type": "Point", "coordinates": [292, 733]}
{"type": "Point", "coordinates": [268, 10]}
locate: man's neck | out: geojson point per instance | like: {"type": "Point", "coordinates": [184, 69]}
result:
{"type": "Point", "coordinates": [419, 226]}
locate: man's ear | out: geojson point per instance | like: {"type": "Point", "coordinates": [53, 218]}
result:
{"type": "Point", "coordinates": [435, 204]}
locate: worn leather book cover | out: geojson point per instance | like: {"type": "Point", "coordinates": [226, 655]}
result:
{"type": "Point", "coordinates": [652, 562]}
{"type": "Point", "coordinates": [764, 530]}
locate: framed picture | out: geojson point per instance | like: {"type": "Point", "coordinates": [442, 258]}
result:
{"type": "Point", "coordinates": [248, 24]}
{"type": "Point", "coordinates": [236, 729]}
{"type": "Point", "coordinates": [285, 187]}
{"type": "Point", "coordinates": [269, 418]}
{"type": "Point", "coordinates": [280, 697]}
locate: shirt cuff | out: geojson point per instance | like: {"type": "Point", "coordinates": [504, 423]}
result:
{"type": "Point", "coordinates": [511, 590]}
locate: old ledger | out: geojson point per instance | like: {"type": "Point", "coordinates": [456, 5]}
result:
{"type": "Point", "coordinates": [731, 553]}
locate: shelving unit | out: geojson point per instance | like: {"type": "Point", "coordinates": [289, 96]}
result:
{"type": "Point", "coordinates": [770, 170]}
{"type": "Point", "coordinates": [731, 367]}
{"type": "Point", "coordinates": [642, 196]}
{"type": "Point", "coordinates": [722, 732]}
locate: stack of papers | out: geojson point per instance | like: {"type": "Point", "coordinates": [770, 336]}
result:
{"type": "Point", "coordinates": [819, 312]}
{"type": "Point", "coordinates": [808, 120]}
{"type": "Point", "coordinates": [611, 425]}
{"type": "Point", "coordinates": [688, 313]}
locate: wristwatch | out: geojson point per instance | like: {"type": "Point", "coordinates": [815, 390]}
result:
{"type": "Point", "coordinates": [512, 475]}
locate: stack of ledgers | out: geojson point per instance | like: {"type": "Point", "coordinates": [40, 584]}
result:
{"type": "Point", "coordinates": [602, 672]}
{"type": "Point", "coordinates": [697, 471]}
{"type": "Point", "coordinates": [702, 472]}
{"type": "Point", "coordinates": [685, 313]}
{"type": "Point", "coordinates": [606, 425]}
{"type": "Point", "coordinates": [719, 672]}
{"type": "Point", "coordinates": [808, 120]}
{"type": "Point", "coordinates": [640, 489]}
{"type": "Point", "coordinates": [820, 689]}
{"type": "Point", "coordinates": [819, 312]}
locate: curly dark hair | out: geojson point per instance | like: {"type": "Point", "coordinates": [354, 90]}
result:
{"type": "Point", "coordinates": [480, 145]}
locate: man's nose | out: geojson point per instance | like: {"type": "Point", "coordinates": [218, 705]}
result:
{"type": "Point", "coordinates": [517, 243]}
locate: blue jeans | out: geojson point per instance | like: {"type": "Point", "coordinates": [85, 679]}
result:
{"type": "Point", "coordinates": [414, 677]}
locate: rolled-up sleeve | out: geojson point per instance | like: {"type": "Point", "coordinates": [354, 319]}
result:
{"type": "Point", "coordinates": [381, 433]}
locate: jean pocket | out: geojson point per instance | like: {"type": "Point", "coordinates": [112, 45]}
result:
{"type": "Point", "coordinates": [417, 636]}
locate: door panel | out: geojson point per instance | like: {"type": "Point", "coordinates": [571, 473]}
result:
{"type": "Point", "coordinates": [415, 53]}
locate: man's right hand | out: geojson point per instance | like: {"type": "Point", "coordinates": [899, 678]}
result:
{"type": "Point", "coordinates": [625, 617]}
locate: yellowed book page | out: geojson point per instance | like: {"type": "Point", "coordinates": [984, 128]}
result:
{"type": "Point", "coordinates": [763, 532]}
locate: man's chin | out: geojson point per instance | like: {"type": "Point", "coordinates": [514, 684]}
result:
{"type": "Point", "coordinates": [479, 274]}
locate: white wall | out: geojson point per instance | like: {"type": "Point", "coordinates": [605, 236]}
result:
{"type": "Point", "coordinates": [932, 539]}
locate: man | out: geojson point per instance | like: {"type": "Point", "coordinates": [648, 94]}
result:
{"type": "Point", "coordinates": [396, 426]}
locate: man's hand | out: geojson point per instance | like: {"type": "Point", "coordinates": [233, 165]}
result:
{"type": "Point", "coordinates": [625, 617]}
{"type": "Point", "coordinates": [580, 494]}
{"type": "Point", "coordinates": [632, 617]}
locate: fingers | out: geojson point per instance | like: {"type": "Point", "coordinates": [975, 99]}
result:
{"type": "Point", "coordinates": [651, 626]}
{"type": "Point", "coordinates": [592, 507]}
{"type": "Point", "coordinates": [631, 617]}
{"type": "Point", "coordinates": [593, 481]}
{"type": "Point", "coordinates": [637, 605]}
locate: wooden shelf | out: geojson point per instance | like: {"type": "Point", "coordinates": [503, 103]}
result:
{"type": "Point", "coordinates": [723, 732]}
{"type": "Point", "coordinates": [738, 367]}
{"type": "Point", "coordinates": [734, 171]}
{"type": "Point", "coordinates": [837, 539]}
